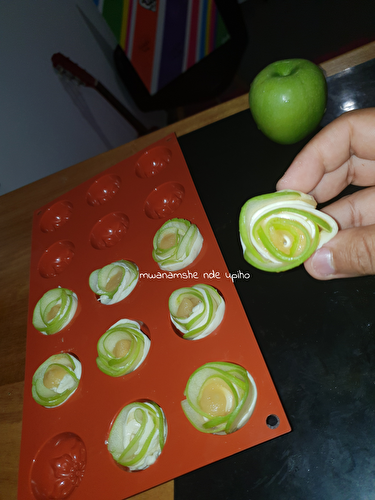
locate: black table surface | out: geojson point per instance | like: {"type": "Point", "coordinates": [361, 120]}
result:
{"type": "Point", "coordinates": [317, 338]}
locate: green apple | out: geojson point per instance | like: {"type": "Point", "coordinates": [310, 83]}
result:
{"type": "Point", "coordinates": [288, 99]}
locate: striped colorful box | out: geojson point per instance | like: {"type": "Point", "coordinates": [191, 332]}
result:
{"type": "Point", "coordinates": [164, 38]}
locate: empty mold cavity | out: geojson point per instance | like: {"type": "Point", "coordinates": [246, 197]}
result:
{"type": "Point", "coordinates": [164, 200]}
{"type": "Point", "coordinates": [109, 230]}
{"type": "Point", "coordinates": [103, 190]}
{"type": "Point", "coordinates": [153, 161]}
{"type": "Point", "coordinates": [59, 467]}
{"type": "Point", "coordinates": [56, 259]}
{"type": "Point", "coordinates": [56, 216]}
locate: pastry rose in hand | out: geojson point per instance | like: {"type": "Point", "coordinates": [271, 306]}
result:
{"type": "Point", "coordinates": [281, 230]}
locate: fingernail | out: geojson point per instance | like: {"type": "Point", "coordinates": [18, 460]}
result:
{"type": "Point", "coordinates": [322, 262]}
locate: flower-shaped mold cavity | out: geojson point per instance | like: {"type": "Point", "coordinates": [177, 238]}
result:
{"type": "Point", "coordinates": [103, 190]}
{"type": "Point", "coordinates": [153, 161]}
{"type": "Point", "coordinates": [56, 258]}
{"type": "Point", "coordinates": [56, 216]}
{"type": "Point", "coordinates": [59, 467]}
{"type": "Point", "coordinates": [109, 230]}
{"type": "Point", "coordinates": [164, 200]}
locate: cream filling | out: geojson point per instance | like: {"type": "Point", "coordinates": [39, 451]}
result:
{"type": "Point", "coordinates": [131, 427]}
{"type": "Point", "coordinates": [250, 404]}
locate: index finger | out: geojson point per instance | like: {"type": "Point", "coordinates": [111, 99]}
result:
{"type": "Point", "coordinates": [340, 154]}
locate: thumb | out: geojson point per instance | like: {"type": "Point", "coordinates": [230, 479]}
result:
{"type": "Point", "coordinates": [350, 253]}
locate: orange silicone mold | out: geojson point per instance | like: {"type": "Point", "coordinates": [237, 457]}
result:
{"type": "Point", "coordinates": [111, 217]}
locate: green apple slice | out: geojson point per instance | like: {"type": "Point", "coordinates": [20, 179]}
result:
{"type": "Point", "coordinates": [56, 380]}
{"type": "Point", "coordinates": [138, 435]}
{"type": "Point", "coordinates": [279, 231]}
{"type": "Point", "coordinates": [55, 310]}
{"type": "Point", "coordinates": [122, 348]}
{"type": "Point", "coordinates": [220, 398]}
{"type": "Point", "coordinates": [196, 311]}
{"type": "Point", "coordinates": [115, 281]}
{"type": "Point", "coordinates": [176, 244]}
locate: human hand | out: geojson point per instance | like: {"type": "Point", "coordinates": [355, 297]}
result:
{"type": "Point", "coordinates": [342, 153]}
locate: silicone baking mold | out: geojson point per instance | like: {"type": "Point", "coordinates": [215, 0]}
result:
{"type": "Point", "coordinates": [115, 216]}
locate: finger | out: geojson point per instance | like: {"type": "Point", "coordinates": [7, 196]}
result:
{"type": "Point", "coordinates": [355, 171]}
{"type": "Point", "coordinates": [350, 253]}
{"type": "Point", "coordinates": [332, 149]}
{"type": "Point", "coordinates": [355, 210]}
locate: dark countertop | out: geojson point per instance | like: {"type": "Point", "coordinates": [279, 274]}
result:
{"type": "Point", "coordinates": [318, 338]}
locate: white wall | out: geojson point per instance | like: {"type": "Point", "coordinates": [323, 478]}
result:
{"type": "Point", "coordinates": [48, 123]}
